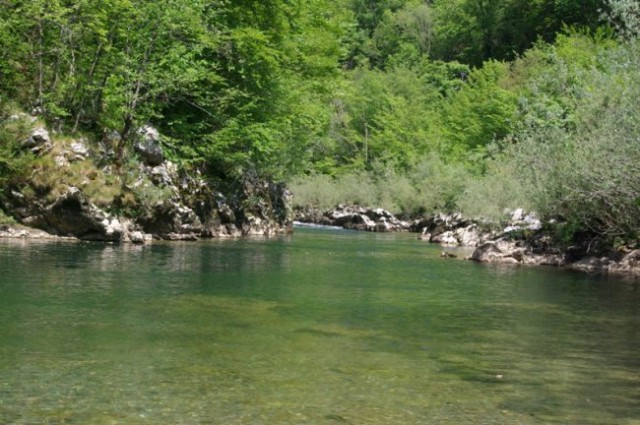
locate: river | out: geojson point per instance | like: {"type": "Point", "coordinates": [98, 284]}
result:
{"type": "Point", "coordinates": [323, 327]}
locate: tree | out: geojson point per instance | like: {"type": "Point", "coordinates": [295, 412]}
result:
{"type": "Point", "coordinates": [402, 37]}
{"type": "Point", "coordinates": [155, 62]}
{"type": "Point", "coordinates": [625, 17]}
{"type": "Point", "coordinates": [473, 31]}
{"type": "Point", "coordinates": [480, 113]}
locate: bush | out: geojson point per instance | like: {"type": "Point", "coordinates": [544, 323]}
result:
{"type": "Point", "coordinates": [489, 196]}
{"type": "Point", "coordinates": [430, 186]}
{"type": "Point", "coordinates": [588, 175]}
{"type": "Point", "coordinates": [5, 219]}
{"type": "Point", "coordinates": [15, 163]}
{"type": "Point", "coordinates": [323, 191]}
{"type": "Point", "coordinates": [439, 184]}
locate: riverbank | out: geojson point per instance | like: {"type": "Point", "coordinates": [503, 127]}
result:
{"type": "Point", "coordinates": [625, 262]}
{"type": "Point", "coordinates": [521, 239]}
{"type": "Point", "coordinates": [72, 187]}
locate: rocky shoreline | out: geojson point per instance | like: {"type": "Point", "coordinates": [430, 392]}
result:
{"type": "Point", "coordinates": [75, 191]}
{"type": "Point", "coordinates": [352, 217]}
{"type": "Point", "coordinates": [521, 240]}
{"type": "Point", "coordinates": [624, 263]}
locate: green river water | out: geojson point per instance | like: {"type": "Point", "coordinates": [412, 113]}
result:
{"type": "Point", "coordinates": [324, 327]}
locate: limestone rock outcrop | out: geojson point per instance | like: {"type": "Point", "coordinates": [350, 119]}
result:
{"type": "Point", "coordinates": [450, 230]}
{"type": "Point", "coordinates": [154, 199]}
{"type": "Point", "coordinates": [515, 252]}
{"type": "Point", "coordinates": [353, 217]}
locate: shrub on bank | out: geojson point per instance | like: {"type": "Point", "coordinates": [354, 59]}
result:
{"type": "Point", "coordinates": [428, 187]}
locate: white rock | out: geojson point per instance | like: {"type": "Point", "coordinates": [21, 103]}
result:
{"type": "Point", "coordinates": [449, 238]}
{"type": "Point", "coordinates": [38, 140]}
{"type": "Point", "coordinates": [137, 237]}
{"type": "Point", "coordinates": [149, 133]}
{"type": "Point", "coordinates": [79, 148]}
{"type": "Point", "coordinates": [517, 214]}
{"type": "Point", "coordinates": [61, 161]}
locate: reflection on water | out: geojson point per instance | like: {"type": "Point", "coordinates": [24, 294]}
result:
{"type": "Point", "coordinates": [320, 328]}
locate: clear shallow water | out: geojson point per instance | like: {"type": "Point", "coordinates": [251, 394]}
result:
{"type": "Point", "coordinates": [325, 327]}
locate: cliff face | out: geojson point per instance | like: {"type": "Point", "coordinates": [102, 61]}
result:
{"type": "Point", "coordinates": [72, 189]}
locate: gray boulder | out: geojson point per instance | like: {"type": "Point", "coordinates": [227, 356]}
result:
{"type": "Point", "coordinates": [150, 152]}
{"type": "Point", "coordinates": [148, 147]}
{"type": "Point", "coordinates": [77, 151]}
{"type": "Point", "coordinates": [498, 251]}
{"type": "Point", "coordinates": [38, 141]}
{"type": "Point", "coordinates": [72, 214]}
{"type": "Point", "coordinates": [80, 150]}
{"type": "Point", "coordinates": [171, 217]}
{"type": "Point", "coordinates": [164, 174]}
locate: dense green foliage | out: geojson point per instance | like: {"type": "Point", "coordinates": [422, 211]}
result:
{"type": "Point", "coordinates": [225, 80]}
{"type": "Point", "coordinates": [414, 105]}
